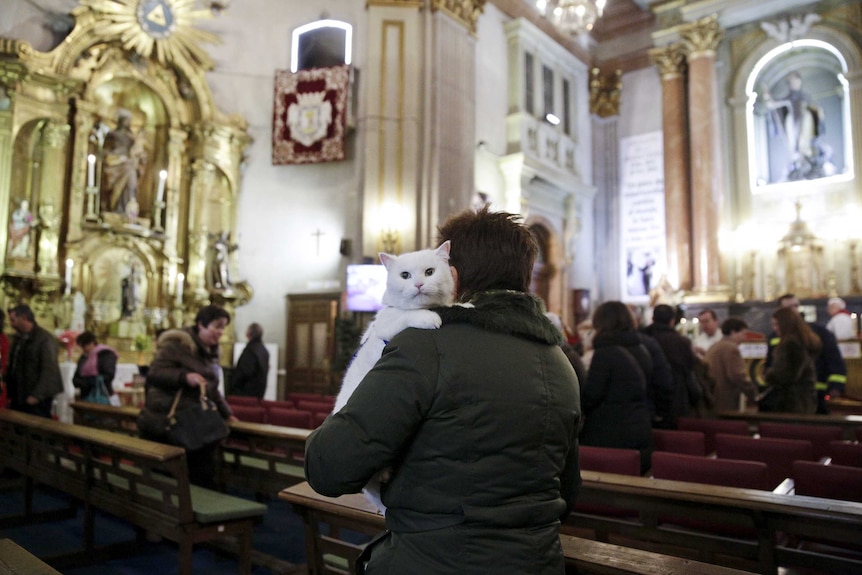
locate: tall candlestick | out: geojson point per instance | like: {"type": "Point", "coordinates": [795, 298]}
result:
{"type": "Point", "coordinates": [180, 279]}
{"type": "Point", "coordinates": [91, 170]}
{"type": "Point", "coordinates": [160, 195]}
{"type": "Point", "coordinates": [69, 264]}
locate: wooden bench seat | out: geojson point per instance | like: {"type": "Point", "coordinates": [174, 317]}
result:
{"type": "Point", "coordinates": [779, 521]}
{"type": "Point", "coordinates": [263, 458]}
{"type": "Point", "coordinates": [329, 553]}
{"type": "Point", "coordinates": [142, 482]}
{"type": "Point", "coordinates": [850, 424]}
{"type": "Point", "coordinates": [260, 457]}
{"type": "Point", "coordinates": [15, 560]}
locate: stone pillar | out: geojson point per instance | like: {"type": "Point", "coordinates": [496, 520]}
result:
{"type": "Point", "coordinates": [707, 187]}
{"type": "Point", "coordinates": [418, 134]}
{"type": "Point", "coordinates": [670, 61]}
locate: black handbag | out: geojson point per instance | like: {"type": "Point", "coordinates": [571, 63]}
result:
{"type": "Point", "coordinates": [196, 426]}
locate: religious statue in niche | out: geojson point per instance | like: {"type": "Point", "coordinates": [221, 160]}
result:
{"type": "Point", "coordinates": [49, 223]}
{"type": "Point", "coordinates": [123, 163]}
{"type": "Point", "coordinates": [130, 287]}
{"type": "Point", "coordinates": [218, 262]}
{"type": "Point", "coordinates": [20, 226]}
{"type": "Point", "coordinates": [800, 115]}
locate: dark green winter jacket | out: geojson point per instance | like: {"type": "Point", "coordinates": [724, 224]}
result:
{"type": "Point", "coordinates": [478, 420]}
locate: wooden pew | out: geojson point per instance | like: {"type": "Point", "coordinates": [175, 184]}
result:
{"type": "Point", "coordinates": [142, 482]}
{"type": "Point", "coordinates": [112, 418]}
{"type": "Point", "coordinates": [15, 560]}
{"type": "Point", "coordinates": [849, 423]}
{"type": "Point", "coordinates": [257, 456]}
{"type": "Point", "coordinates": [263, 458]}
{"type": "Point", "coordinates": [780, 521]}
{"type": "Point", "coordinates": [328, 553]}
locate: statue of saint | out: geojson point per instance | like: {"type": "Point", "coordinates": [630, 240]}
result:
{"type": "Point", "coordinates": [123, 163]}
{"type": "Point", "coordinates": [19, 231]}
{"type": "Point", "coordinates": [218, 262]}
{"type": "Point", "coordinates": [129, 297]}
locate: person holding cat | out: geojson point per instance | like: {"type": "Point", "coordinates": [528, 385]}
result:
{"type": "Point", "coordinates": [472, 486]}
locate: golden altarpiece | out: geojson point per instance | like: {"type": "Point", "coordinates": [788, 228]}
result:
{"type": "Point", "coordinates": [118, 176]}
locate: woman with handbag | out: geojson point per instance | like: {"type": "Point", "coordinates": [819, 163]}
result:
{"type": "Point", "coordinates": [97, 361]}
{"type": "Point", "coordinates": [183, 405]}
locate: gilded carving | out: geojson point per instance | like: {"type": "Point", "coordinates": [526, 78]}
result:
{"type": "Point", "coordinates": [701, 38]}
{"type": "Point", "coordinates": [605, 93]}
{"type": "Point", "coordinates": [465, 11]}
{"type": "Point", "coordinates": [56, 135]}
{"type": "Point", "coordinates": [670, 60]}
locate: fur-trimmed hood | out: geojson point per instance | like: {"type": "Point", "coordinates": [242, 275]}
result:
{"type": "Point", "coordinates": [504, 311]}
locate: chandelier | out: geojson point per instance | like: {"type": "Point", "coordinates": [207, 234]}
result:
{"type": "Point", "coordinates": [574, 17]}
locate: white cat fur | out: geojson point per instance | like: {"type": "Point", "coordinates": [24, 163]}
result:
{"type": "Point", "coordinates": [404, 301]}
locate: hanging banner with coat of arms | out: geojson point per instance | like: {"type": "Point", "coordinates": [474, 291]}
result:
{"type": "Point", "coordinates": [309, 115]}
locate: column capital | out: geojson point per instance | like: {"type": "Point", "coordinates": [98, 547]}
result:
{"type": "Point", "coordinates": [605, 93]}
{"type": "Point", "coordinates": [465, 11]}
{"type": "Point", "coordinates": [701, 38]}
{"type": "Point", "coordinates": [670, 60]}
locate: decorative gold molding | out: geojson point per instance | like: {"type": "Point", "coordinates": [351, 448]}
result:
{"type": "Point", "coordinates": [605, 93]}
{"type": "Point", "coordinates": [701, 38]}
{"type": "Point", "coordinates": [670, 60]}
{"type": "Point", "coordinates": [396, 3]}
{"type": "Point", "coordinates": [465, 11]}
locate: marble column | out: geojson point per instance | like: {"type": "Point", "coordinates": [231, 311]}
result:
{"type": "Point", "coordinates": [670, 61]}
{"type": "Point", "coordinates": [700, 40]}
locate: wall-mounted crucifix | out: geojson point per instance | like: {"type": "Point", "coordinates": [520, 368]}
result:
{"type": "Point", "coordinates": [317, 235]}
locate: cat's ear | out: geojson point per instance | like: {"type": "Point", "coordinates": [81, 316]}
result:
{"type": "Point", "coordinates": [443, 250]}
{"type": "Point", "coordinates": [386, 259]}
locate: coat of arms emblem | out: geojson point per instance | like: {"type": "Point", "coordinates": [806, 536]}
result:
{"type": "Point", "coordinates": [309, 118]}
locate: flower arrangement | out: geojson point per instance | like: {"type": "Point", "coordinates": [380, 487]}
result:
{"type": "Point", "coordinates": [67, 340]}
{"type": "Point", "coordinates": [141, 342]}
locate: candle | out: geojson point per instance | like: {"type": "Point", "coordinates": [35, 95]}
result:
{"type": "Point", "coordinates": [160, 195]}
{"type": "Point", "coordinates": [91, 170]}
{"type": "Point", "coordinates": [69, 264]}
{"type": "Point", "coordinates": [180, 279]}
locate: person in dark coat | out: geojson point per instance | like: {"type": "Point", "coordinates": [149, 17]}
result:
{"type": "Point", "coordinates": [829, 363]}
{"type": "Point", "coordinates": [792, 376]}
{"type": "Point", "coordinates": [186, 360]}
{"type": "Point", "coordinates": [615, 395]}
{"type": "Point", "coordinates": [97, 359]}
{"type": "Point", "coordinates": [679, 353]}
{"type": "Point", "coordinates": [33, 374]}
{"type": "Point", "coordinates": [477, 420]}
{"type": "Point", "coordinates": [249, 376]}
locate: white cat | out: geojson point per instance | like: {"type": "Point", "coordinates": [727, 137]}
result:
{"type": "Point", "coordinates": [414, 281]}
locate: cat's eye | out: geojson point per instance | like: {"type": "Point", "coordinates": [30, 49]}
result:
{"type": "Point", "coordinates": [405, 275]}
{"type": "Point", "coordinates": [429, 272]}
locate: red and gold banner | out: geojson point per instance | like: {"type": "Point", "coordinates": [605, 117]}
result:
{"type": "Point", "coordinates": [309, 113]}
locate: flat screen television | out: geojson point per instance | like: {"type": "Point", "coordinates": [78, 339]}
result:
{"type": "Point", "coordinates": [365, 286]}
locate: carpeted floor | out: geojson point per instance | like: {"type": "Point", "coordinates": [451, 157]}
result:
{"type": "Point", "coordinates": [279, 535]}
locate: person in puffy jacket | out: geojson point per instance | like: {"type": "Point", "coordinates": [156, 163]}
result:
{"type": "Point", "coordinates": [477, 422]}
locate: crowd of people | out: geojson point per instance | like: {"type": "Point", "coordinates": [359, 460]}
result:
{"type": "Point", "coordinates": [441, 417]}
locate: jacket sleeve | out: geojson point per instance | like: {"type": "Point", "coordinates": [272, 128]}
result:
{"type": "Point", "coordinates": [166, 371]}
{"type": "Point", "coordinates": [83, 382]}
{"type": "Point", "coordinates": [377, 423]}
{"type": "Point", "coordinates": [107, 368]}
{"type": "Point", "coordinates": [244, 370]}
{"type": "Point", "coordinates": [50, 381]}
{"type": "Point", "coordinates": [738, 375]}
{"type": "Point", "coordinates": [836, 369]}
{"type": "Point", "coordinates": [594, 389]}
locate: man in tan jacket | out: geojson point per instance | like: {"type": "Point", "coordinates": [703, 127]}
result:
{"type": "Point", "coordinates": [727, 368]}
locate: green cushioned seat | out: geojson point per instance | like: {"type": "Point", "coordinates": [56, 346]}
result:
{"type": "Point", "coordinates": [282, 468]}
{"type": "Point", "coordinates": [211, 506]}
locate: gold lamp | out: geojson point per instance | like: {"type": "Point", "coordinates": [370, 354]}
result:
{"type": "Point", "coordinates": [574, 17]}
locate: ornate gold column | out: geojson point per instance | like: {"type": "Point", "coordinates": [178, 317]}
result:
{"type": "Point", "coordinates": [78, 200]}
{"type": "Point", "coordinates": [51, 202]}
{"type": "Point", "coordinates": [701, 39]}
{"type": "Point", "coordinates": [670, 61]}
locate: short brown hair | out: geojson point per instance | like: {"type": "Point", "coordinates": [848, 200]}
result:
{"type": "Point", "coordinates": [733, 324]}
{"type": "Point", "coordinates": [490, 250]}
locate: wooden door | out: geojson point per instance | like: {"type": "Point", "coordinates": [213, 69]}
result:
{"type": "Point", "coordinates": [311, 341]}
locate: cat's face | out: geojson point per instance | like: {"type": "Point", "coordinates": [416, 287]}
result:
{"type": "Point", "coordinates": [418, 280]}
